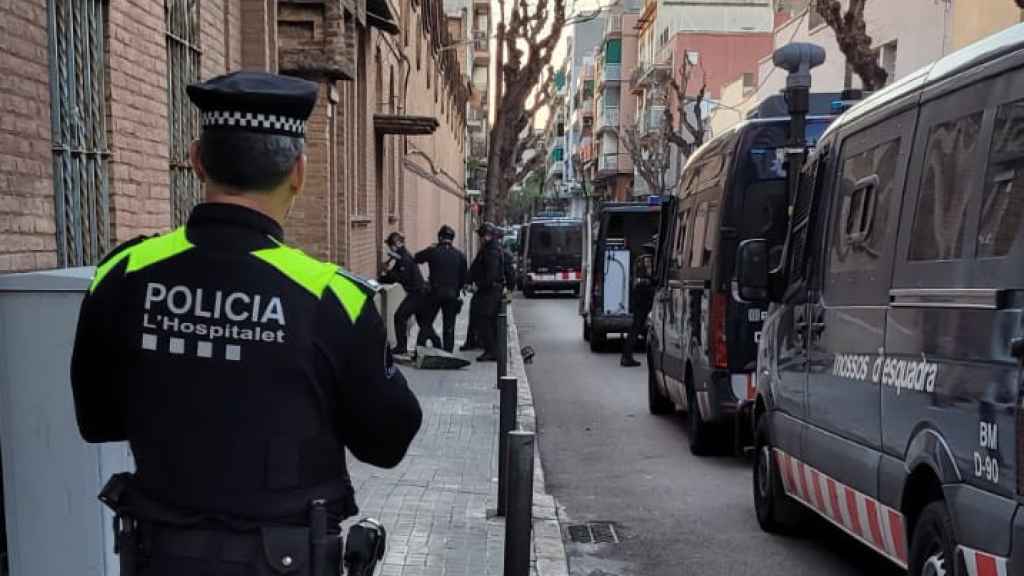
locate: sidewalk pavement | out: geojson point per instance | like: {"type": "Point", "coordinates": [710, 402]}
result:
{"type": "Point", "coordinates": [437, 505]}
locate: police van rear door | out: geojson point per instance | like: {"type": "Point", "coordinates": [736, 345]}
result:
{"type": "Point", "coordinates": [949, 368]}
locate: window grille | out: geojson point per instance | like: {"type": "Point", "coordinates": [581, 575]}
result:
{"type": "Point", "coordinates": [183, 53]}
{"type": "Point", "coordinates": [79, 130]}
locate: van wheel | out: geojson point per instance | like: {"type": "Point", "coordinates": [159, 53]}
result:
{"type": "Point", "coordinates": [597, 340]}
{"type": "Point", "coordinates": [776, 512]}
{"type": "Point", "coordinates": [933, 549]}
{"type": "Point", "coordinates": [700, 431]}
{"type": "Point", "coordinates": [657, 403]}
{"type": "Point", "coordinates": [586, 330]}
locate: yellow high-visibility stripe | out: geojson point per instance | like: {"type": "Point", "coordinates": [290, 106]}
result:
{"type": "Point", "coordinates": [145, 253]}
{"type": "Point", "coordinates": [352, 298]}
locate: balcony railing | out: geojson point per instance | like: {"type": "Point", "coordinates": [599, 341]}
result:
{"type": "Point", "coordinates": [557, 169]}
{"type": "Point", "coordinates": [653, 119]}
{"type": "Point", "coordinates": [611, 73]}
{"type": "Point", "coordinates": [608, 162]}
{"type": "Point", "coordinates": [609, 117]}
{"type": "Point", "coordinates": [613, 25]}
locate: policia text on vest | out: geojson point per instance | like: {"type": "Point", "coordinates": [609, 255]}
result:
{"type": "Point", "coordinates": [239, 369]}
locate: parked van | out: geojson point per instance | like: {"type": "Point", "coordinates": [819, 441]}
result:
{"type": "Point", "coordinates": [702, 343]}
{"type": "Point", "coordinates": [889, 372]}
{"type": "Point", "coordinates": [617, 234]}
{"type": "Point", "coordinates": [554, 255]}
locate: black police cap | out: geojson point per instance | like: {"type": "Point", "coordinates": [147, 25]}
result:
{"type": "Point", "coordinates": [255, 102]}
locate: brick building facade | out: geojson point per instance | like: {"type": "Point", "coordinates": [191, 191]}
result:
{"type": "Point", "coordinates": [94, 123]}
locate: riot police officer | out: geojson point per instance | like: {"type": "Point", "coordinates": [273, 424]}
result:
{"type": "Point", "coordinates": [448, 276]}
{"type": "Point", "coordinates": [487, 273]}
{"type": "Point", "coordinates": [640, 302]}
{"type": "Point", "coordinates": [402, 269]}
{"type": "Point", "coordinates": [238, 368]}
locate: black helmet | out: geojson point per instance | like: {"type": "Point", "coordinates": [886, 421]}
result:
{"type": "Point", "coordinates": [487, 228]}
{"type": "Point", "coordinates": [395, 237]}
{"type": "Point", "coordinates": [446, 233]}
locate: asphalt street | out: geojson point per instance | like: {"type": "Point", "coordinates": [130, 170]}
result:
{"type": "Point", "coordinates": [607, 459]}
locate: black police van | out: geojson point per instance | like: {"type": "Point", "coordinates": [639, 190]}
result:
{"type": "Point", "coordinates": [702, 343]}
{"type": "Point", "coordinates": [889, 370]}
{"type": "Point", "coordinates": [618, 232]}
{"type": "Point", "coordinates": [553, 255]}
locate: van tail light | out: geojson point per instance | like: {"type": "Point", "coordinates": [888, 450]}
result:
{"type": "Point", "coordinates": [719, 351]}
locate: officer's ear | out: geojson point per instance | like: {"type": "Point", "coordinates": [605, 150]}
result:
{"type": "Point", "coordinates": [297, 178]}
{"type": "Point", "coordinates": [195, 158]}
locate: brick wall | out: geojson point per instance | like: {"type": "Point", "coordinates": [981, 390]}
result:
{"type": "Point", "coordinates": [140, 193]}
{"type": "Point", "coordinates": [307, 225]}
{"type": "Point", "coordinates": [27, 239]}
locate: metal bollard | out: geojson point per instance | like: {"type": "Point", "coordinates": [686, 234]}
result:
{"type": "Point", "coordinates": [519, 522]}
{"type": "Point", "coordinates": [502, 340]}
{"type": "Point", "coordinates": [506, 424]}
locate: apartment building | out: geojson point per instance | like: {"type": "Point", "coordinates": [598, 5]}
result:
{"type": "Point", "coordinates": [611, 171]}
{"type": "Point", "coordinates": [716, 41]}
{"type": "Point", "coordinates": [95, 123]}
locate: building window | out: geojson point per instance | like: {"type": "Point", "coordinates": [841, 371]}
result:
{"type": "Point", "coordinates": [378, 86]}
{"type": "Point", "coordinates": [848, 77]}
{"type": "Point", "coordinates": [406, 23]}
{"type": "Point", "coordinates": [613, 54]}
{"type": "Point", "coordinates": [80, 149]}
{"type": "Point", "coordinates": [419, 42]}
{"type": "Point", "coordinates": [182, 18]}
{"type": "Point", "coordinates": [889, 61]}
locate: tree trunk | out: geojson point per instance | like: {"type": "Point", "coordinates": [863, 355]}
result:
{"type": "Point", "coordinates": [854, 41]}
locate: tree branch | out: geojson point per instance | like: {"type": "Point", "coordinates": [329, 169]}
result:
{"type": "Point", "coordinates": [853, 39]}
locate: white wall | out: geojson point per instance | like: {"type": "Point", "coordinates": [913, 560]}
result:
{"type": "Point", "coordinates": [920, 27]}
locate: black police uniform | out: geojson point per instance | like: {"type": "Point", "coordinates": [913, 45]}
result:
{"type": "Point", "coordinates": [641, 301]}
{"type": "Point", "coordinates": [487, 273]}
{"type": "Point", "coordinates": [239, 370]}
{"type": "Point", "coordinates": [448, 276]}
{"type": "Point", "coordinates": [416, 303]}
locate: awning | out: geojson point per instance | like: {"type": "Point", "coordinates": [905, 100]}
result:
{"type": "Point", "coordinates": [378, 14]}
{"type": "Point", "coordinates": [402, 124]}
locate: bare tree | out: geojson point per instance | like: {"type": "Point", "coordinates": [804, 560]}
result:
{"type": "Point", "coordinates": [652, 151]}
{"type": "Point", "coordinates": [853, 39]}
{"type": "Point", "coordinates": [525, 47]}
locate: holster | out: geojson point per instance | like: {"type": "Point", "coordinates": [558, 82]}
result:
{"type": "Point", "coordinates": [146, 531]}
{"type": "Point", "coordinates": [364, 548]}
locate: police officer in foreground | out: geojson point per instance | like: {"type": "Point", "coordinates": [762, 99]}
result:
{"type": "Point", "coordinates": [448, 276]}
{"type": "Point", "coordinates": [487, 273]}
{"type": "Point", "coordinates": [640, 302]}
{"type": "Point", "coordinates": [403, 269]}
{"type": "Point", "coordinates": [238, 369]}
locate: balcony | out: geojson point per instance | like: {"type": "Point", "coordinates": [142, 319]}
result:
{"type": "Point", "coordinates": [613, 25]}
{"type": "Point", "coordinates": [608, 164]}
{"type": "Point", "coordinates": [611, 73]}
{"type": "Point", "coordinates": [609, 119]}
{"type": "Point", "coordinates": [652, 119]}
{"type": "Point", "coordinates": [648, 75]}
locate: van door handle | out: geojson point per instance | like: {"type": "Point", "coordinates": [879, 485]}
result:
{"type": "Point", "coordinates": [1017, 348]}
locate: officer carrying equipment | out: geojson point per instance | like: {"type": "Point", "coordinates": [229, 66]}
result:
{"type": "Point", "coordinates": [238, 369]}
{"type": "Point", "coordinates": [448, 276]}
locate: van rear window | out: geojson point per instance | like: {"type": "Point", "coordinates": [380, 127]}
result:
{"type": "Point", "coordinates": [556, 238]}
{"type": "Point", "coordinates": [768, 151]}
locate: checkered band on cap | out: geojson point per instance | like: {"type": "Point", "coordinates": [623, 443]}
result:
{"type": "Point", "coordinates": [256, 121]}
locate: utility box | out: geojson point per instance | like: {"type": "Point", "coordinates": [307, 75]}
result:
{"type": "Point", "coordinates": [51, 477]}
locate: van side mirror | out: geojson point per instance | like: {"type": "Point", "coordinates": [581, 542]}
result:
{"type": "Point", "coordinates": [752, 270]}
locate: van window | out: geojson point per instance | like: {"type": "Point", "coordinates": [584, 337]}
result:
{"type": "Point", "coordinates": [947, 184]}
{"type": "Point", "coordinates": [700, 224]}
{"type": "Point", "coordinates": [682, 227]}
{"type": "Point", "coordinates": [709, 235]}
{"type": "Point", "coordinates": [1002, 205]}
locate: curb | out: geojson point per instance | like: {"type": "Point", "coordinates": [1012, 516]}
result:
{"type": "Point", "coordinates": [548, 547]}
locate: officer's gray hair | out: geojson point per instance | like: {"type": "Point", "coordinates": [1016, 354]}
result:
{"type": "Point", "coordinates": [248, 161]}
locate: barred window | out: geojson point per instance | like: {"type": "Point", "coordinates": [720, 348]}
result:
{"type": "Point", "coordinates": [182, 19]}
{"type": "Point", "coordinates": [79, 130]}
